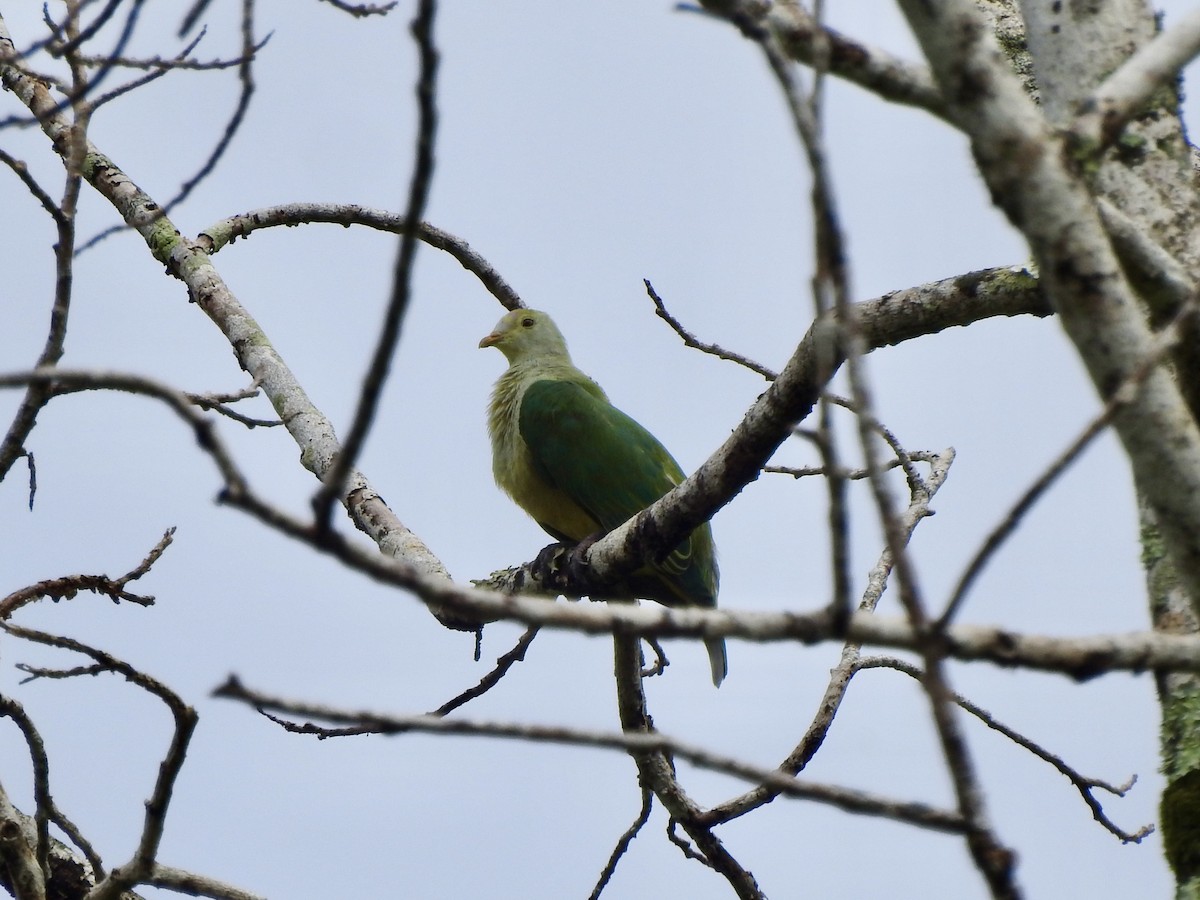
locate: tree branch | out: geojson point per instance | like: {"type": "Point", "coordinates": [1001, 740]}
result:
{"type": "Point", "coordinates": [225, 232]}
{"type": "Point", "coordinates": [1082, 783]}
{"type": "Point", "coordinates": [788, 400]}
{"type": "Point", "coordinates": [847, 799]}
{"type": "Point", "coordinates": [1079, 657]}
{"type": "Point", "coordinates": [309, 427]}
{"type": "Point", "coordinates": [1023, 162]}
{"type": "Point", "coordinates": [66, 587]}
{"type": "Point", "coordinates": [871, 68]}
{"type": "Point", "coordinates": [142, 862]}
{"type": "Point", "coordinates": [1122, 95]}
{"type": "Point", "coordinates": [334, 483]}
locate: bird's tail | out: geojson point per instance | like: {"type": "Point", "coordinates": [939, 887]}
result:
{"type": "Point", "coordinates": [717, 659]}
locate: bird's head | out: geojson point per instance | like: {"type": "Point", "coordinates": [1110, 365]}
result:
{"type": "Point", "coordinates": [527, 334]}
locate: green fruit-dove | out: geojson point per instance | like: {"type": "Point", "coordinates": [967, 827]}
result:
{"type": "Point", "coordinates": [581, 467]}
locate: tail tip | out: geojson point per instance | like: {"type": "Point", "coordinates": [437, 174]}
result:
{"type": "Point", "coordinates": [717, 660]}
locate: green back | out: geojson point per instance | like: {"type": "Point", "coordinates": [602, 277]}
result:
{"type": "Point", "coordinates": [613, 468]}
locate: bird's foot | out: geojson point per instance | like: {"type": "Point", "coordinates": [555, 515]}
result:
{"type": "Point", "coordinates": [549, 566]}
{"type": "Point", "coordinates": [561, 567]}
{"type": "Point", "coordinates": [576, 561]}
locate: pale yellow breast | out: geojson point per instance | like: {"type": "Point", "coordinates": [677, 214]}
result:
{"type": "Point", "coordinates": [513, 467]}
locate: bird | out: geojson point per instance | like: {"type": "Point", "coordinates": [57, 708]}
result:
{"type": "Point", "coordinates": [581, 467]}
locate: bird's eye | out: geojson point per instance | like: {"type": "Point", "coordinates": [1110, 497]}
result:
{"type": "Point", "coordinates": [527, 322]}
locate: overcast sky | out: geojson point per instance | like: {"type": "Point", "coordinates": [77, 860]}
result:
{"type": "Point", "coordinates": [583, 148]}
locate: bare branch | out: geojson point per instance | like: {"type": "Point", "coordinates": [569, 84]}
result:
{"type": "Point", "coordinates": [657, 771]}
{"type": "Point", "coordinates": [66, 587]}
{"type": "Point", "coordinates": [690, 340]}
{"type": "Point", "coordinates": [1079, 657]}
{"type": "Point", "coordinates": [63, 215]}
{"type": "Point", "coordinates": [220, 234]}
{"type": "Point", "coordinates": [179, 62]}
{"type": "Point", "coordinates": [920, 500]}
{"type": "Point", "coordinates": [847, 799]}
{"type": "Point", "coordinates": [142, 863]}
{"type": "Point", "coordinates": [194, 884]}
{"type": "Point", "coordinates": [1122, 95]}
{"type": "Point", "coordinates": [334, 482]}
{"type": "Point", "coordinates": [1082, 783]}
{"type": "Point", "coordinates": [626, 839]}
{"type": "Point", "coordinates": [362, 10]}
{"type": "Point", "coordinates": [21, 170]}
{"type": "Point", "coordinates": [219, 403]}
{"type": "Point", "coordinates": [1023, 162]}
{"type": "Point", "coordinates": [492, 678]}
{"type": "Point", "coordinates": [871, 68]}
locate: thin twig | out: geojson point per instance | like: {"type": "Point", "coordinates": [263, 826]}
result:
{"type": "Point", "coordinates": [389, 333]}
{"type": "Point", "coordinates": [1120, 398]}
{"type": "Point", "coordinates": [1084, 784]}
{"type": "Point", "coordinates": [623, 843]}
{"type": "Point", "coordinates": [68, 586]}
{"type": "Point", "coordinates": [237, 117]}
{"type": "Point", "coordinates": [492, 678]}
{"type": "Point", "coordinates": [225, 232]}
{"type": "Point", "coordinates": [178, 62]}
{"type": "Point", "coordinates": [362, 10]}
{"type": "Point", "coordinates": [219, 403]}
{"type": "Point", "coordinates": [142, 863]}
{"type": "Point", "coordinates": [690, 340]}
{"type": "Point", "coordinates": [849, 474]}
{"type": "Point", "coordinates": [636, 743]}
{"type": "Point", "coordinates": [840, 676]}
{"type": "Point", "coordinates": [128, 87]}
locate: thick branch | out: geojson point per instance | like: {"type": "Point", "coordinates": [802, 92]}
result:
{"type": "Point", "coordinates": [389, 332]}
{"type": "Point", "coordinates": [1023, 162]}
{"type": "Point", "coordinates": [803, 38]}
{"type": "Point", "coordinates": [790, 398]}
{"type": "Point", "coordinates": [1081, 658]}
{"type": "Point", "coordinates": [310, 428]}
{"type": "Point", "coordinates": [1123, 94]}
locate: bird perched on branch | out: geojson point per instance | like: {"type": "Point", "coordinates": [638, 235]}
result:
{"type": "Point", "coordinates": [581, 467]}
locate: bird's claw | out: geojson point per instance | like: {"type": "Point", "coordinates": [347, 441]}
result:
{"type": "Point", "coordinates": [547, 567]}
{"type": "Point", "coordinates": [562, 566]}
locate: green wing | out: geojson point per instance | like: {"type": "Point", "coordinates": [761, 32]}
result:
{"type": "Point", "coordinates": [612, 467]}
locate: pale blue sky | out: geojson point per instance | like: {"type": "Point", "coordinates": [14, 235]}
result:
{"type": "Point", "coordinates": [583, 147]}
